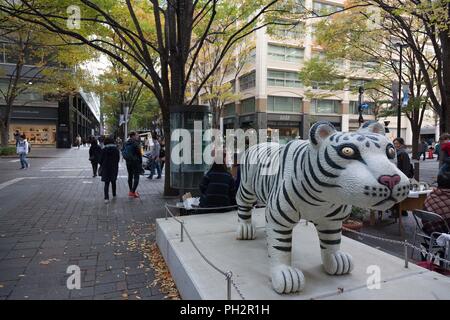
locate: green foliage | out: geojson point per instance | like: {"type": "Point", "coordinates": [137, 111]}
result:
{"type": "Point", "coordinates": [357, 213]}
{"type": "Point", "coordinates": [7, 151]}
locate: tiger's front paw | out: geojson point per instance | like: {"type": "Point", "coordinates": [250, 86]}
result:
{"type": "Point", "coordinates": [337, 262]}
{"type": "Point", "coordinates": [246, 231]}
{"type": "Point", "coordinates": [286, 279]}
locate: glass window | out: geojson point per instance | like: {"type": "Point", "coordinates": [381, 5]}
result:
{"type": "Point", "coordinates": [288, 30]}
{"type": "Point", "coordinates": [248, 81]}
{"type": "Point", "coordinates": [248, 106]}
{"type": "Point", "coordinates": [354, 84]}
{"type": "Point", "coordinates": [229, 110]}
{"type": "Point", "coordinates": [283, 79]}
{"type": "Point", "coordinates": [325, 106]}
{"type": "Point", "coordinates": [283, 53]}
{"type": "Point", "coordinates": [284, 104]}
{"type": "Point", "coordinates": [353, 108]}
{"type": "Point", "coordinates": [324, 8]}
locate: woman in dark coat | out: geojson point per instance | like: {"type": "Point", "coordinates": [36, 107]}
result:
{"type": "Point", "coordinates": [217, 188]}
{"type": "Point", "coordinates": [109, 162]}
{"type": "Point", "coordinates": [95, 153]}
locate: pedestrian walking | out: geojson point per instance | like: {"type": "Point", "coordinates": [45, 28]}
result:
{"type": "Point", "coordinates": [95, 153]}
{"type": "Point", "coordinates": [132, 153]}
{"type": "Point", "coordinates": [155, 158]}
{"type": "Point", "coordinates": [109, 162]}
{"type": "Point", "coordinates": [423, 148]}
{"type": "Point", "coordinates": [22, 150]}
{"type": "Point", "coordinates": [162, 153]}
{"type": "Point", "coordinates": [78, 141]}
{"type": "Point", "coordinates": [17, 137]}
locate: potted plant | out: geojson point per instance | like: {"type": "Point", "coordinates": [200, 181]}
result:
{"type": "Point", "coordinates": [355, 220]}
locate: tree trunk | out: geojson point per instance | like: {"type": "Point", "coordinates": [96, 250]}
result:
{"type": "Point", "coordinates": [168, 191]}
{"type": "Point", "coordinates": [5, 133]}
{"type": "Point", "coordinates": [445, 96]}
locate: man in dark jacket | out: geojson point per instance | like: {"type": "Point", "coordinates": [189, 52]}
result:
{"type": "Point", "coordinates": [423, 148]}
{"type": "Point", "coordinates": [94, 156]}
{"type": "Point", "coordinates": [109, 160]}
{"type": "Point", "coordinates": [132, 153]}
{"type": "Point", "coordinates": [404, 165]}
{"type": "Point", "coordinates": [217, 188]}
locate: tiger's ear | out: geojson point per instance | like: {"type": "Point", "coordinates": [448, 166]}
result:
{"type": "Point", "coordinates": [320, 131]}
{"type": "Point", "coordinates": [372, 126]}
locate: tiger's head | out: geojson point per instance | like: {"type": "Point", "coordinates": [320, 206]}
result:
{"type": "Point", "coordinates": [356, 168]}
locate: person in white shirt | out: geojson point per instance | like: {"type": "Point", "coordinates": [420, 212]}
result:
{"type": "Point", "coordinates": [22, 151]}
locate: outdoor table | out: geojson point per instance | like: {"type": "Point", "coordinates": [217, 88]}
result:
{"type": "Point", "coordinates": [414, 201]}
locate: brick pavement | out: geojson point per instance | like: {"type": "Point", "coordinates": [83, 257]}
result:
{"type": "Point", "coordinates": [53, 216]}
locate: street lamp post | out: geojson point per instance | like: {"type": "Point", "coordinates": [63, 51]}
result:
{"type": "Point", "coordinates": [360, 103]}
{"type": "Point", "coordinates": [399, 109]}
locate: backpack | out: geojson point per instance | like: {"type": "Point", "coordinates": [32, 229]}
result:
{"type": "Point", "coordinates": [128, 152]}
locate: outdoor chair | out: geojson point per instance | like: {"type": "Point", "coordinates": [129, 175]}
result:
{"type": "Point", "coordinates": [426, 240]}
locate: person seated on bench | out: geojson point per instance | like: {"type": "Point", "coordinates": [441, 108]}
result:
{"type": "Point", "coordinates": [217, 189]}
{"type": "Point", "coordinates": [438, 201]}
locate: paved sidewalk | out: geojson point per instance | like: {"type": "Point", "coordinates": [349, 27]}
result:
{"type": "Point", "coordinates": [53, 216]}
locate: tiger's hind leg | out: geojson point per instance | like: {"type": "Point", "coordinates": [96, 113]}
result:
{"type": "Point", "coordinates": [285, 278]}
{"type": "Point", "coordinates": [245, 199]}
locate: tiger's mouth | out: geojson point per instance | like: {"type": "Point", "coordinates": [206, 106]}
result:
{"type": "Point", "coordinates": [387, 195]}
{"type": "Point", "coordinates": [390, 198]}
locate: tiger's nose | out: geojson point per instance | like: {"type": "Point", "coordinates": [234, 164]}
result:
{"type": "Point", "coordinates": [389, 181]}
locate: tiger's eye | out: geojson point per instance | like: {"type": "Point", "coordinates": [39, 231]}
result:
{"type": "Point", "coordinates": [347, 151]}
{"type": "Point", "coordinates": [391, 153]}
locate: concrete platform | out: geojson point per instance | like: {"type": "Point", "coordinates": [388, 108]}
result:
{"type": "Point", "coordinates": [214, 234]}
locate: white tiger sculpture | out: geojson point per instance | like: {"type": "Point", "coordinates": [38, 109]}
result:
{"type": "Point", "coordinates": [317, 180]}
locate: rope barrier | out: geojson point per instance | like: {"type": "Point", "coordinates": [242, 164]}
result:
{"type": "Point", "coordinates": [228, 275]}
{"type": "Point", "coordinates": [425, 252]}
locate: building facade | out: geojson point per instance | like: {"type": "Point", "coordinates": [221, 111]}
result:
{"type": "Point", "coordinates": [272, 96]}
{"type": "Point", "coordinates": [47, 122]}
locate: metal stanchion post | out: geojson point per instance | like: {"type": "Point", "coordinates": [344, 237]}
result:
{"type": "Point", "coordinates": [182, 227]}
{"type": "Point", "coordinates": [406, 253]}
{"type": "Point", "coordinates": [229, 275]}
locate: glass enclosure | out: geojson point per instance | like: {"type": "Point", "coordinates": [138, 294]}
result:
{"type": "Point", "coordinates": [187, 176]}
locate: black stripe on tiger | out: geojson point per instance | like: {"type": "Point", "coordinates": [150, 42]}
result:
{"type": "Point", "coordinates": [245, 194]}
{"type": "Point", "coordinates": [323, 171]}
{"type": "Point", "coordinates": [330, 162]}
{"type": "Point", "coordinates": [283, 232]}
{"type": "Point", "coordinates": [285, 153]}
{"type": "Point", "coordinates": [244, 209]}
{"type": "Point", "coordinates": [330, 231]}
{"type": "Point", "coordinates": [316, 180]}
{"type": "Point", "coordinates": [288, 199]}
{"type": "Point", "coordinates": [309, 194]}
{"type": "Point", "coordinates": [282, 214]}
{"type": "Point", "coordinates": [285, 249]}
{"type": "Point", "coordinates": [275, 220]}
{"type": "Point", "coordinates": [309, 183]}
{"type": "Point", "coordinates": [335, 212]}
{"type": "Point", "coordinates": [331, 242]}
{"type": "Point", "coordinates": [244, 217]}
{"type": "Point", "coordinates": [287, 240]}
{"type": "Point", "coordinates": [301, 197]}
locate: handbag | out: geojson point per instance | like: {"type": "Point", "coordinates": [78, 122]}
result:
{"type": "Point", "coordinates": [100, 171]}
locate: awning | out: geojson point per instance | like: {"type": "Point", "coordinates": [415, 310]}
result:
{"type": "Point", "coordinates": [428, 130]}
